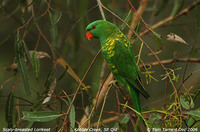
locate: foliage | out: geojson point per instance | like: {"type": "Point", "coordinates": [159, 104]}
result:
{"type": "Point", "coordinates": [55, 76]}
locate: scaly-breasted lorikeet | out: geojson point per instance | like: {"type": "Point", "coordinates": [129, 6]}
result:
{"type": "Point", "coordinates": [119, 56]}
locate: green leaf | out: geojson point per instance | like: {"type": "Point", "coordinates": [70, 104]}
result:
{"type": "Point", "coordinates": [43, 95]}
{"type": "Point", "coordinates": [49, 79]}
{"type": "Point", "coordinates": [196, 94]}
{"type": "Point", "coordinates": [159, 40]}
{"type": "Point", "coordinates": [177, 7]}
{"type": "Point", "coordinates": [40, 116]}
{"type": "Point", "coordinates": [21, 63]}
{"type": "Point", "coordinates": [194, 113]}
{"type": "Point", "coordinates": [122, 123]}
{"type": "Point", "coordinates": [54, 33]}
{"type": "Point", "coordinates": [162, 7]}
{"type": "Point", "coordinates": [27, 52]}
{"type": "Point", "coordinates": [62, 75]}
{"type": "Point", "coordinates": [51, 91]}
{"type": "Point", "coordinates": [127, 18]}
{"type": "Point", "coordinates": [154, 121]}
{"type": "Point", "coordinates": [137, 30]}
{"type": "Point", "coordinates": [186, 101]}
{"type": "Point", "coordinates": [9, 110]}
{"type": "Point", "coordinates": [38, 103]}
{"type": "Point", "coordinates": [72, 117]}
{"type": "Point", "coordinates": [193, 119]}
{"type": "Point", "coordinates": [35, 64]}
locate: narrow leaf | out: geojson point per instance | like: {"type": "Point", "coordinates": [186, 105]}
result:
{"type": "Point", "coordinates": [9, 110]}
{"type": "Point", "coordinates": [27, 51]}
{"type": "Point", "coordinates": [196, 94]}
{"type": "Point", "coordinates": [54, 32]}
{"type": "Point", "coordinates": [155, 120]}
{"type": "Point", "coordinates": [137, 30]}
{"type": "Point", "coordinates": [21, 63]}
{"type": "Point", "coordinates": [51, 90]}
{"type": "Point", "coordinates": [177, 7]}
{"type": "Point", "coordinates": [122, 123]}
{"type": "Point", "coordinates": [193, 120]}
{"type": "Point", "coordinates": [127, 18]}
{"type": "Point", "coordinates": [43, 95]}
{"type": "Point", "coordinates": [35, 64]}
{"type": "Point", "coordinates": [40, 116]}
{"type": "Point", "coordinates": [72, 117]}
{"type": "Point", "coordinates": [158, 39]}
{"type": "Point", "coordinates": [185, 102]}
{"type": "Point", "coordinates": [159, 43]}
{"type": "Point", "coordinates": [23, 68]}
{"type": "Point", "coordinates": [194, 113]}
{"type": "Point", "coordinates": [65, 65]}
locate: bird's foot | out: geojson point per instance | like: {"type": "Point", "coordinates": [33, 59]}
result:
{"type": "Point", "coordinates": [114, 83]}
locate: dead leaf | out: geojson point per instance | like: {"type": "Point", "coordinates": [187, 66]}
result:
{"type": "Point", "coordinates": [51, 90]}
{"type": "Point", "coordinates": [40, 54]}
{"type": "Point", "coordinates": [12, 67]}
{"type": "Point", "coordinates": [64, 64]}
{"type": "Point", "coordinates": [175, 38]}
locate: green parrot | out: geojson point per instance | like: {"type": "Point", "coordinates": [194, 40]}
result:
{"type": "Point", "coordinates": [119, 56]}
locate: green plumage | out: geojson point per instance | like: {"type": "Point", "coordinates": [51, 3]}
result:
{"type": "Point", "coordinates": [119, 55]}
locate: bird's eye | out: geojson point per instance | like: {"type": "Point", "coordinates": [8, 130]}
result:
{"type": "Point", "coordinates": [93, 27]}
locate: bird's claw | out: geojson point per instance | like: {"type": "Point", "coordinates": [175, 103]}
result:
{"type": "Point", "coordinates": [113, 82]}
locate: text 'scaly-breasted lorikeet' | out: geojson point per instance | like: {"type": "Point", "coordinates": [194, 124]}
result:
{"type": "Point", "coordinates": [119, 56]}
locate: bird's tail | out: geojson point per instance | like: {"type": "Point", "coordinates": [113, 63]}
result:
{"type": "Point", "coordinates": [135, 97]}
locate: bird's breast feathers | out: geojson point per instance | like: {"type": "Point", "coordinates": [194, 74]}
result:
{"type": "Point", "coordinates": [108, 48]}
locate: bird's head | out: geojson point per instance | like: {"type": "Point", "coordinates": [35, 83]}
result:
{"type": "Point", "coordinates": [100, 29]}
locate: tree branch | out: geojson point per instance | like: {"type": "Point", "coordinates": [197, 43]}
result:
{"type": "Point", "coordinates": [136, 17]}
{"type": "Point", "coordinates": [101, 10]}
{"type": "Point", "coordinates": [170, 18]}
{"type": "Point", "coordinates": [168, 61]}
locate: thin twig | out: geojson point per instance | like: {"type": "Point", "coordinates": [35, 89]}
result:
{"type": "Point", "coordinates": [67, 113]}
{"type": "Point", "coordinates": [186, 66]}
{"type": "Point", "coordinates": [118, 103]}
{"type": "Point", "coordinates": [75, 24]}
{"type": "Point", "coordinates": [170, 18]}
{"type": "Point", "coordinates": [101, 10]}
{"type": "Point", "coordinates": [136, 18]}
{"type": "Point", "coordinates": [103, 71]}
{"type": "Point", "coordinates": [106, 121]}
{"type": "Point", "coordinates": [104, 102]}
{"type": "Point", "coordinates": [168, 61]}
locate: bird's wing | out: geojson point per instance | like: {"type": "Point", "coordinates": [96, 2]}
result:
{"type": "Point", "coordinates": [125, 63]}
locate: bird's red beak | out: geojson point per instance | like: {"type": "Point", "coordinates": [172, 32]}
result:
{"type": "Point", "coordinates": [89, 35]}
